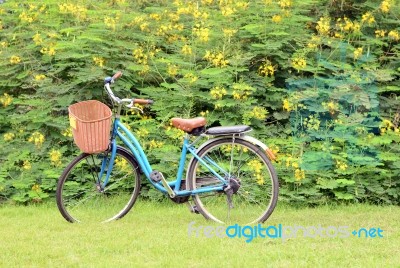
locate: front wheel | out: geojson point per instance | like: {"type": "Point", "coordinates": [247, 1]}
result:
{"type": "Point", "coordinates": [82, 195]}
{"type": "Point", "coordinates": [252, 174]}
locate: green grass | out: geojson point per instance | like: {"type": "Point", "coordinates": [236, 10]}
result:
{"type": "Point", "coordinates": [155, 234]}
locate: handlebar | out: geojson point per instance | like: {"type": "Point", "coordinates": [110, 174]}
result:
{"type": "Point", "coordinates": [107, 84]}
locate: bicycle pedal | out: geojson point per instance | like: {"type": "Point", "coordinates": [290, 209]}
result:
{"type": "Point", "coordinates": [156, 176]}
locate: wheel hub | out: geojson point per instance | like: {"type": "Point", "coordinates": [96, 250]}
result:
{"type": "Point", "coordinates": [232, 187]}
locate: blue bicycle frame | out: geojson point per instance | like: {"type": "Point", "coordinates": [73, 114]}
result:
{"type": "Point", "coordinates": [120, 131]}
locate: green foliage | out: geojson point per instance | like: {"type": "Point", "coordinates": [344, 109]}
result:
{"type": "Point", "coordinates": [317, 80]}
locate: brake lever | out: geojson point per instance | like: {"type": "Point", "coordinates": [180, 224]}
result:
{"type": "Point", "coordinates": [131, 106]}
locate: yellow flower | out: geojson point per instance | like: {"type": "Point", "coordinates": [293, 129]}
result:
{"type": "Point", "coordinates": [259, 113]}
{"type": "Point", "coordinates": [121, 163]}
{"type": "Point", "coordinates": [76, 10]}
{"type": "Point", "coordinates": [201, 32]}
{"type": "Point", "coordinates": [110, 22]}
{"type": "Point", "coordinates": [242, 4]}
{"type": "Point", "coordinates": [380, 33]}
{"type": "Point", "coordinates": [299, 174]}
{"type": "Point", "coordinates": [36, 187]}
{"type": "Point", "coordinates": [51, 51]}
{"type": "Point", "coordinates": [227, 10]}
{"type": "Point", "coordinates": [204, 114]}
{"type": "Point", "coordinates": [368, 18]}
{"type": "Point", "coordinates": [37, 138]}
{"type": "Point", "coordinates": [229, 32]}
{"type": "Point", "coordinates": [174, 17]}
{"type": "Point", "coordinates": [394, 35]}
{"type": "Point", "coordinates": [256, 167]}
{"type": "Point", "coordinates": [385, 6]}
{"type": "Point", "coordinates": [55, 157]}
{"type": "Point", "coordinates": [15, 60]}
{"type": "Point", "coordinates": [299, 63]}
{"type": "Point", "coordinates": [8, 136]}
{"type": "Point", "coordinates": [175, 133]}
{"type": "Point", "coordinates": [67, 132]}
{"type": "Point", "coordinates": [218, 92]}
{"type": "Point", "coordinates": [191, 77]}
{"type": "Point", "coordinates": [48, 50]}
{"type": "Point", "coordinates": [266, 69]}
{"type": "Point", "coordinates": [275, 149]}
{"type": "Point", "coordinates": [285, 3]}
{"type": "Point", "coordinates": [288, 160]}
{"type": "Point", "coordinates": [37, 39]}
{"type": "Point", "coordinates": [32, 7]}
{"type": "Point", "coordinates": [144, 27]}
{"type": "Point", "coordinates": [25, 17]}
{"type": "Point", "coordinates": [341, 165]}
{"type": "Point", "coordinates": [186, 50]}
{"type": "Point", "coordinates": [386, 125]}
{"type": "Point", "coordinates": [207, 2]}
{"type": "Point", "coordinates": [172, 69]}
{"type": "Point", "coordinates": [139, 56]}
{"type": "Point", "coordinates": [6, 100]}
{"type": "Point", "coordinates": [155, 16]}
{"type": "Point", "coordinates": [155, 144]}
{"type": "Point", "coordinates": [145, 69]}
{"type": "Point", "coordinates": [98, 61]}
{"type": "Point", "coordinates": [26, 165]}
{"type": "Point", "coordinates": [241, 91]}
{"type": "Point", "coordinates": [40, 77]}
{"type": "Point", "coordinates": [287, 106]}
{"type": "Point", "coordinates": [236, 96]}
{"type": "Point", "coordinates": [331, 106]}
{"type": "Point", "coordinates": [217, 59]}
{"type": "Point", "coordinates": [197, 14]}
{"type": "Point", "coordinates": [315, 41]}
{"type": "Point", "coordinates": [276, 18]}
{"type": "Point", "coordinates": [338, 35]}
{"type": "Point", "coordinates": [357, 53]}
{"type": "Point", "coordinates": [323, 25]}
{"type": "Point", "coordinates": [347, 25]}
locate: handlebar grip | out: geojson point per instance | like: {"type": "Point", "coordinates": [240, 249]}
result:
{"type": "Point", "coordinates": [117, 75]}
{"type": "Point", "coordinates": [143, 101]}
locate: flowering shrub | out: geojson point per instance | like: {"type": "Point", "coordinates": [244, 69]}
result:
{"type": "Point", "coordinates": [317, 81]}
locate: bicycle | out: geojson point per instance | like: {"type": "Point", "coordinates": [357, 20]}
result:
{"type": "Point", "coordinates": [230, 177]}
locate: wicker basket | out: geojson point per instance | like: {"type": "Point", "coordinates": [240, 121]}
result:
{"type": "Point", "coordinates": [90, 122]}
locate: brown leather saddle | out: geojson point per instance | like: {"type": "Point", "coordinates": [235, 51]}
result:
{"type": "Point", "coordinates": [194, 126]}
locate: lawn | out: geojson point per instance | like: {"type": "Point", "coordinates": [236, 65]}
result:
{"type": "Point", "coordinates": [156, 234]}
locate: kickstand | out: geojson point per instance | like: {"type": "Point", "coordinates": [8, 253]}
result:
{"type": "Point", "coordinates": [229, 192]}
{"type": "Point", "coordinates": [192, 208]}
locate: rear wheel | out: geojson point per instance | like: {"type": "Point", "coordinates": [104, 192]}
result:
{"type": "Point", "coordinates": [81, 196]}
{"type": "Point", "coordinates": [250, 173]}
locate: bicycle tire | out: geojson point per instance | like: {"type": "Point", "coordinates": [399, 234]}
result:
{"type": "Point", "coordinates": [79, 198]}
{"type": "Point", "coordinates": [257, 195]}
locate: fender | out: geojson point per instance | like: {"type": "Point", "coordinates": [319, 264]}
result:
{"type": "Point", "coordinates": [131, 155]}
{"type": "Point", "coordinates": [263, 146]}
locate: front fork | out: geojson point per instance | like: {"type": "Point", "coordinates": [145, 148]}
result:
{"type": "Point", "coordinates": [107, 164]}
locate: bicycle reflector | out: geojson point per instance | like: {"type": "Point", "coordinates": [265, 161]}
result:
{"type": "Point", "coordinates": [270, 154]}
